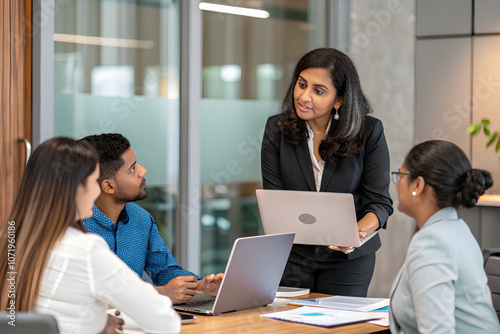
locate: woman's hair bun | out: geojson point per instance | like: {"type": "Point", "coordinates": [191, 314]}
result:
{"type": "Point", "coordinates": [472, 185]}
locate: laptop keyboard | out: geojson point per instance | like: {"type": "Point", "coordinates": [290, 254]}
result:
{"type": "Point", "coordinates": [199, 303]}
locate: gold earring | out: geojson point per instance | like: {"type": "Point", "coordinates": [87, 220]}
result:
{"type": "Point", "coordinates": [414, 193]}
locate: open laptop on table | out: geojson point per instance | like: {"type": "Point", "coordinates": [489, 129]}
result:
{"type": "Point", "coordinates": [251, 278]}
{"type": "Point", "coordinates": [317, 218]}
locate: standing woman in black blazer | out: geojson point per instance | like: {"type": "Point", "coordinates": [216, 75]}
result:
{"type": "Point", "coordinates": [324, 140]}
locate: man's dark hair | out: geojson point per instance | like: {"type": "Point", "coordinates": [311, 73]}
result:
{"type": "Point", "coordinates": [110, 147]}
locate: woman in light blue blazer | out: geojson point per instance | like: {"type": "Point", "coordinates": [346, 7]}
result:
{"type": "Point", "coordinates": [442, 286]}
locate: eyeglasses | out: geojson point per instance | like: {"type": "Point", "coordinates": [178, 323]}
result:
{"type": "Point", "coordinates": [397, 175]}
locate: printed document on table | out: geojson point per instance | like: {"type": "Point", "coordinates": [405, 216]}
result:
{"type": "Point", "coordinates": [361, 304]}
{"type": "Point", "coordinates": [383, 321]}
{"type": "Point", "coordinates": [322, 316]}
{"type": "Point", "coordinates": [384, 316]}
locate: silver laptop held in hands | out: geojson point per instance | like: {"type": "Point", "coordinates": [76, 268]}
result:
{"type": "Point", "coordinates": [317, 218]}
{"type": "Point", "coordinates": [251, 278]}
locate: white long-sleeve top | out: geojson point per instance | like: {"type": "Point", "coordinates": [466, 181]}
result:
{"type": "Point", "coordinates": [83, 278]}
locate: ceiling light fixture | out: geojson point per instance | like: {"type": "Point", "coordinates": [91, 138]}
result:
{"type": "Point", "coordinates": [258, 13]}
{"type": "Point", "coordinates": [104, 41]}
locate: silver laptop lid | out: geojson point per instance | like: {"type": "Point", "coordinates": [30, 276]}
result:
{"type": "Point", "coordinates": [253, 272]}
{"type": "Point", "coordinates": [28, 323]}
{"type": "Point", "coordinates": [317, 218]}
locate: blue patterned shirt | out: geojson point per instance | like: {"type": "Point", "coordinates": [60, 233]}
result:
{"type": "Point", "coordinates": [137, 242]}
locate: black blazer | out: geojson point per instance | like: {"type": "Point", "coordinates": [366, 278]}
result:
{"type": "Point", "coordinates": [365, 175]}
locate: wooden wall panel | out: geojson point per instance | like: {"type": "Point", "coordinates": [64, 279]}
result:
{"type": "Point", "coordinates": [15, 97]}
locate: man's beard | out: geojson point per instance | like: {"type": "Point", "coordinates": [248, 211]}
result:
{"type": "Point", "coordinates": [125, 198]}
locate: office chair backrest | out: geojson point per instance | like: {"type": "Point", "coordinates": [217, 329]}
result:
{"type": "Point", "coordinates": [28, 323]}
{"type": "Point", "coordinates": [492, 269]}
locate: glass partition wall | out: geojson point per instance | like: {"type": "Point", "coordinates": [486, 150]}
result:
{"type": "Point", "coordinates": [247, 67]}
{"type": "Point", "coordinates": [116, 69]}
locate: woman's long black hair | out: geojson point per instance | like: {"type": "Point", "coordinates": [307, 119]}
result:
{"type": "Point", "coordinates": [346, 135]}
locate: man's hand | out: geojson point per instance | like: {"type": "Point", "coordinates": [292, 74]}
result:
{"type": "Point", "coordinates": [210, 284]}
{"type": "Point", "coordinates": [180, 289]}
{"type": "Point", "coordinates": [113, 324]}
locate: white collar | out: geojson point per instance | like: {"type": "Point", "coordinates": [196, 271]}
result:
{"type": "Point", "coordinates": [310, 133]}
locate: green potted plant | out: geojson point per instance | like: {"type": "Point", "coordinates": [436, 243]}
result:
{"type": "Point", "coordinates": [475, 128]}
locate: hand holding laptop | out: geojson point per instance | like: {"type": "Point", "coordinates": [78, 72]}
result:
{"type": "Point", "coordinates": [316, 218]}
{"type": "Point", "coordinates": [367, 228]}
{"type": "Point", "coordinates": [347, 250]}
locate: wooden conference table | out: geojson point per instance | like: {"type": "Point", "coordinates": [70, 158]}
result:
{"type": "Point", "coordinates": [250, 321]}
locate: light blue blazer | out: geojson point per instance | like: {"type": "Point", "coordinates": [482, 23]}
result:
{"type": "Point", "coordinates": [442, 286]}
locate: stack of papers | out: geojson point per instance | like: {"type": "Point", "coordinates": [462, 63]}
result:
{"type": "Point", "coordinates": [336, 310]}
{"type": "Point", "coordinates": [360, 304]}
{"type": "Point", "coordinates": [322, 316]}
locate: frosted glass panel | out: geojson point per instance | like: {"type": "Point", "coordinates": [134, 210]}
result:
{"type": "Point", "coordinates": [150, 124]}
{"type": "Point", "coordinates": [231, 137]}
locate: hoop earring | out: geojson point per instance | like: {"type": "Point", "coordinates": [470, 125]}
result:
{"type": "Point", "coordinates": [336, 116]}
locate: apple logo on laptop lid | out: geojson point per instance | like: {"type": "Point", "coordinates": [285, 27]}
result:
{"type": "Point", "coordinates": [307, 218]}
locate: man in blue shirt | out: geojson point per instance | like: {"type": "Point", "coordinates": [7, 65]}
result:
{"type": "Point", "coordinates": [129, 230]}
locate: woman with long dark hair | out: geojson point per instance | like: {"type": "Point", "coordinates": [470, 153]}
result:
{"type": "Point", "coordinates": [50, 265]}
{"type": "Point", "coordinates": [324, 140]}
{"type": "Point", "coordinates": [442, 286]}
